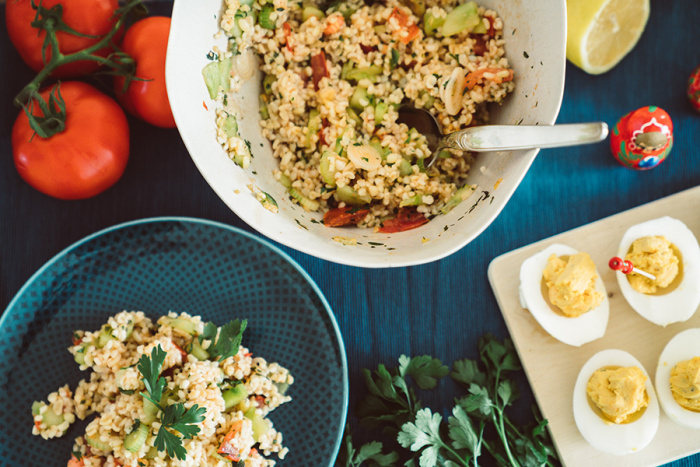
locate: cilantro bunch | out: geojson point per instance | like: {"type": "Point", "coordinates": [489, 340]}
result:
{"type": "Point", "coordinates": [478, 421]}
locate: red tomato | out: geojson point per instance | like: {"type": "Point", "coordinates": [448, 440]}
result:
{"type": "Point", "coordinates": [147, 42]}
{"type": "Point", "coordinates": [91, 17]}
{"type": "Point", "coordinates": [86, 158]}
{"type": "Point", "coordinates": [407, 219]}
{"type": "Point", "coordinates": [339, 217]}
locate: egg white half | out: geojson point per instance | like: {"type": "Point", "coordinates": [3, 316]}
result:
{"type": "Point", "coordinates": [606, 436]}
{"type": "Point", "coordinates": [572, 331]}
{"type": "Point", "coordinates": [679, 304]}
{"type": "Point", "coordinates": [684, 346]}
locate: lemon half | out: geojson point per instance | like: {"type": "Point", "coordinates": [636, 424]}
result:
{"type": "Point", "coordinates": [602, 32]}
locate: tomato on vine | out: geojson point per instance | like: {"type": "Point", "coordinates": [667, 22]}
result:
{"type": "Point", "coordinates": [75, 145]}
{"type": "Point", "coordinates": [145, 96]}
{"type": "Point", "coordinates": [78, 24]}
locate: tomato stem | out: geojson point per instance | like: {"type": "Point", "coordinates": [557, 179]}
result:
{"type": "Point", "coordinates": [118, 62]}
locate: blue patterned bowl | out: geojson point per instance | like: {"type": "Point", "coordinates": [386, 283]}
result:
{"type": "Point", "coordinates": [180, 264]}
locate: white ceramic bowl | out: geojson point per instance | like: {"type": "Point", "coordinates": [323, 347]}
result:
{"type": "Point", "coordinates": [535, 32]}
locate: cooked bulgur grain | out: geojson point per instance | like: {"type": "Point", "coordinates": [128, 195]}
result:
{"type": "Point", "coordinates": [113, 392]}
{"type": "Point", "coordinates": [334, 77]}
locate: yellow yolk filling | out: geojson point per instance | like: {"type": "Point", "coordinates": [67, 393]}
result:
{"type": "Point", "coordinates": [571, 284]}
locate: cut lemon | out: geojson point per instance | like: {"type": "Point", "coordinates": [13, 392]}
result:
{"type": "Point", "coordinates": [601, 32]}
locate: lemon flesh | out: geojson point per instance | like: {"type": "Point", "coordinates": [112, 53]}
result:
{"type": "Point", "coordinates": [601, 32]}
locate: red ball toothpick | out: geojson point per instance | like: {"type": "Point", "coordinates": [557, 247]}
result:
{"type": "Point", "coordinates": [626, 267]}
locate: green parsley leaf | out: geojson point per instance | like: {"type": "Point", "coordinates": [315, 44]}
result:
{"type": "Point", "coordinates": [150, 370]}
{"type": "Point", "coordinates": [425, 370]}
{"type": "Point", "coordinates": [423, 434]}
{"type": "Point", "coordinates": [228, 340]}
{"type": "Point", "coordinates": [176, 418]}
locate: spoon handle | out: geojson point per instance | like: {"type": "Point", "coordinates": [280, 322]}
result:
{"type": "Point", "coordinates": [510, 137]}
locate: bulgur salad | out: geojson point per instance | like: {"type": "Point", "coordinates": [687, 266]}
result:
{"type": "Point", "coordinates": [334, 76]}
{"type": "Point", "coordinates": [178, 392]}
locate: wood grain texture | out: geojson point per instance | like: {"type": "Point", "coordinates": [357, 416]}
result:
{"type": "Point", "coordinates": [552, 367]}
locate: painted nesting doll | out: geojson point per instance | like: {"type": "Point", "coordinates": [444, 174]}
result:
{"type": "Point", "coordinates": [642, 139]}
{"type": "Point", "coordinates": [694, 88]}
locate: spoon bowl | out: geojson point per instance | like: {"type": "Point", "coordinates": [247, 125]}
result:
{"type": "Point", "coordinates": [500, 137]}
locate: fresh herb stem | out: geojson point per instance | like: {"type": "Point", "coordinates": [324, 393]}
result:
{"type": "Point", "coordinates": [120, 63]}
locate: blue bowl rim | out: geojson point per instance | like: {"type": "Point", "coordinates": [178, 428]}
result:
{"type": "Point", "coordinates": [234, 230]}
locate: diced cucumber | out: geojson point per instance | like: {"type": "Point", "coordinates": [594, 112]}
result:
{"type": "Point", "coordinates": [347, 67]}
{"type": "Point", "coordinates": [310, 11]}
{"type": "Point", "coordinates": [152, 453]}
{"type": "Point", "coordinates": [234, 396]}
{"type": "Point", "coordinates": [479, 28]}
{"type": "Point", "coordinates": [96, 443]}
{"type": "Point", "coordinates": [230, 128]}
{"type": "Point", "coordinates": [353, 117]}
{"type": "Point", "coordinates": [429, 101]}
{"type": "Point", "coordinates": [150, 411]}
{"type": "Point", "coordinates": [182, 323]}
{"type": "Point", "coordinates": [36, 407]}
{"type": "Point", "coordinates": [358, 97]}
{"type": "Point", "coordinates": [79, 356]}
{"type": "Point", "coordinates": [285, 180]}
{"type": "Point", "coordinates": [463, 18]}
{"type": "Point", "coordinates": [431, 23]}
{"type": "Point", "coordinates": [349, 196]}
{"type": "Point", "coordinates": [379, 111]}
{"type": "Point", "coordinates": [416, 6]}
{"type": "Point", "coordinates": [264, 111]}
{"type": "Point", "coordinates": [459, 196]}
{"type": "Point", "coordinates": [376, 144]}
{"type": "Point", "coordinates": [444, 154]}
{"type": "Point", "coordinates": [306, 203]}
{"type": "Point", "coordinates": [104, 336]}
{"type": "Point", "coordinates": [282, 387]}
{"type": "Point", "coordinates": [368, 72]}
{"type": "Point", "coordinates": [197, 351]}
{"type": "Point", "coordinates": [260, 425]}
{"type": "Point", "coordinates": [327, 169]}
{"type": "Point", "coordinates": [412, 201]}
{"type": "Point", "coordinates": [342, 7]}
{"type": "Point", "coordinates": [267, 83]}
{"type": "Point", "coordinates": [134, 440]}
{"type": "Point", "coordinates": [264, 18]}
{"type": "Point", "coordinates": [405, 168]}
{"type": "Point", "coordinates": [217, 76]}
{"type": "Point", "coordinates": [51, 418]}
{"type": "Point", "coordinates": [312, 127]}
{"type": "Point", "coordinates": [395, 56]}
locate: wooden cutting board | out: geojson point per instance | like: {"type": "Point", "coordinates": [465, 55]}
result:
{"type": "Point", "coordinates": [552, 367]}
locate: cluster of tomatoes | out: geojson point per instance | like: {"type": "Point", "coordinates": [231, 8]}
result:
{"type": "Point", "coordinates": [90, 152]}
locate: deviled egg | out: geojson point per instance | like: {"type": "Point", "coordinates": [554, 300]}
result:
{"type": "Point", "coordinates": [615, 407]}
{"type": "Point", "coordinates": [678, 379]}
{"type": "Point", "coordinates": [563, 291]}
{"type": "Point", "coordinates": [668, 250]}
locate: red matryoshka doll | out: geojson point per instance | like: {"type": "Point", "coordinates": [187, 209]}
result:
{"type": "Point", "coordinates": [694, 88]}
{"type": "Point", "coordinates": [642, 139]}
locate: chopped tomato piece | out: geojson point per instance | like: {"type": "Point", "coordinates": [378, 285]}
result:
{"type": "Point", "coordinates": [74, 462]}
{"type": "Point", "coordinates": [77, 340]}
{"type": "Point", "coordinates": [182, 351]}
{"type": "Point", "coordinates": [334, 23]}
{"type": "Point", "coordinates": [475, 76]}
{"type": "Point", "coordinates": [248, 354]}
{"type": "Point", "coordinates": [368, 48]}
{"type": "Point", "coordinates": [339, 217]}
{"type": "Point", "coordinates": [259, 401]}
{"type": "Point", "coordinates": [37, 424]}
{"type": "Point", "coordinates": [491, 30]}
{"type": "Point", "coordinates": [401, 17]}
{"type": "Point", "coordinates": [319, 68]}
{"type": "Point", "coordinates": [227, 449]}
{"type": "Point", "coordinates": [321, 133]}
{"type": "Point", "coordinates": [479, 45]}
{"type": "Point", "coordinates": [287, 28]}
{"type": "Point", "coordinates": [406, 219]}
{"type": "Point", "coordinates": [413, 32]}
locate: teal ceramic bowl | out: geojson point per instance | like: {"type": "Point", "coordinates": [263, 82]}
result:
{"type": "Point", "coordinates": [179, 264]}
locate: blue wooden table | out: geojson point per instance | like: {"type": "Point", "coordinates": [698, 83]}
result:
{"type": "Point", "coordinates": [439, 309]}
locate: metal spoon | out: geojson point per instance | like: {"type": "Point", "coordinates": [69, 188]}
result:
{"type": "Point", "coordinates": [500, 137]}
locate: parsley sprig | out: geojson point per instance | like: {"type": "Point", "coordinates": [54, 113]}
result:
{"type": "Point", "coordinates": [475, 420]}
{"type": "Point", "coordinates": [173, 417]}
{"type": "Point", "coordinates": [228, 341]}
